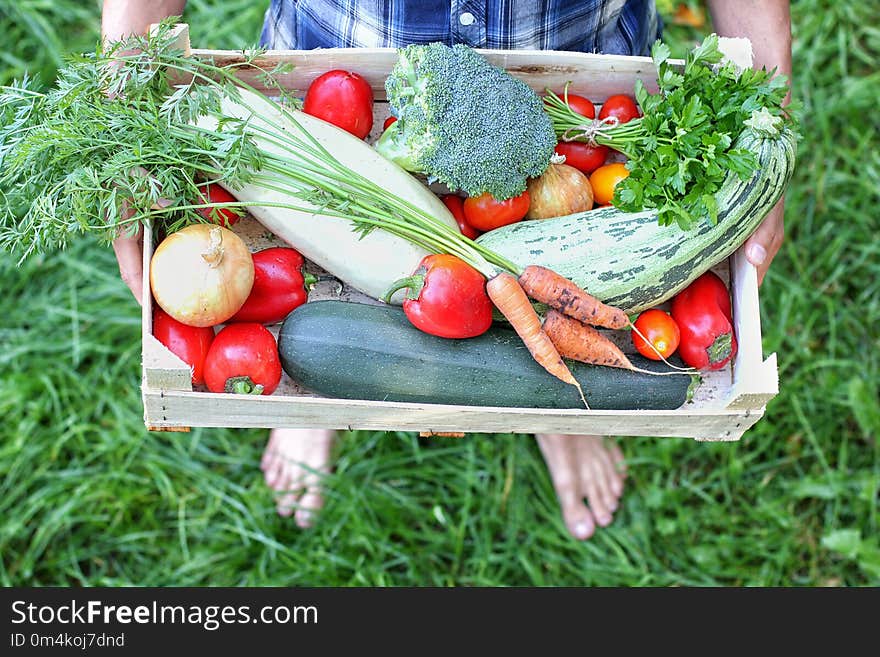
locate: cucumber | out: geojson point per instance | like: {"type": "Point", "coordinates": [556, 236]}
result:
{"type": "Point", "coordinates": [629, 261]}
{"type": "Point", "coordinates": [358, 351]}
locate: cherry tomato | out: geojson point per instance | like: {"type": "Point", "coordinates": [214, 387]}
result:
{"type": "Point", "coordinates": [344, 99]}
{"type": "Point", "coordinates": [581, 105]}
{"type": "Point", "coordinates": [605, 179]}
{"type": "Point", "coordinates": [455, 204]}
{"type": "Point", "coordinates": [582, 156]}
{"type": "Point", "coordinates": [661, 331]}
{"type": "Point", "coordinates": [243, 359]}
{"type": "Point", "coordinates": [225, 217]}
{"type": "Point", "coordinates": [623, 107]}
{"type": "Point", "coordinates": [484, 213]}
{"type": "Point", "coordinates": [388, 122]}
{"type": "Point", "coordinates": [189, 343]}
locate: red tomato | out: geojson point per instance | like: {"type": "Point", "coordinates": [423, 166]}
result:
{"type": "Point", "coordinates": [484, 213]}
{"type": "Point", "coordinates": [388, 122]}
{"type": "Point", "coordinates": [582, 156]}
{"type": "Point", "coordinates": [344, 99]}
{"type": "Point", "coordinates": [581, 105]}
{"type": "Point", "coordinates": [279, 286]}
{"type": "Point", "coordinates": [213, 193]}
{"type": "Point", "coordinates": [456, 207]}
{"type": "Point", "coordinates": [243, 359]}
{"type": "Point", "coordinates": [623, 107]}
{"type": "Point", "coordinates": [661, 331]}
{"type": "Point", "coordinates": [447, 298]}
{"type": "Point", "coordinates": [189, 343]}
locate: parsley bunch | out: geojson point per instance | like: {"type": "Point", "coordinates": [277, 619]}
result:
{"type": "Point", "coordinates": [683, 147]}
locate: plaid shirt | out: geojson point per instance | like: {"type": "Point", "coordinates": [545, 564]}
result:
{"type": "Point", "coordinates": [626, 27]}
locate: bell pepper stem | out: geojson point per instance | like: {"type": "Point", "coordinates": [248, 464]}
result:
{"type": "Point", "coordinates": [413, 283]}
{"type": "Point", "coordinates": [309, 281]}
{"type": "Point", "coordinates": [243, 385]}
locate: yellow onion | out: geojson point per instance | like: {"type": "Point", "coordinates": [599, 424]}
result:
{"type": "Point", "coordinates": [202, 274]}
{"type": "Point", "coordinates": [559, 191]}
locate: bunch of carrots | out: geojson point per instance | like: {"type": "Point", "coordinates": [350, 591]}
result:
{"type": "Point", "coordinates": [568, 328]}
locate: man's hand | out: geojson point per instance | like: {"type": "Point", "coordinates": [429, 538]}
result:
{"type": "Point", "coordinates": [119, 19]}
{"type": "Point", "coordinates": [767, 23]}
{"type": "Point", "coordinates": [764, 243]}
{"type": "Point", "coordinates": [130, 255]}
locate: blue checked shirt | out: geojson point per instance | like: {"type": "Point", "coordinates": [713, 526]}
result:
{"type": "Point", "coordinates": [625, 27]}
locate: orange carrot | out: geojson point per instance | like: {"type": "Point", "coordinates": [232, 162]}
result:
{"type": "Point", "coordinates": [578, 341]}
{"type": "Point", "coordinates": [507, 295]}
{"type": "Point", "coordinates": [546, 286]}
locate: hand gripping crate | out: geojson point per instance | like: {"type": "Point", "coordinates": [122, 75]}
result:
{"type": "Point", "coordinates": [726, 404]}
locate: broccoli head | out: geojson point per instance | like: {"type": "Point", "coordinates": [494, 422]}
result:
{"type": "Point", "coordinates": [464, 122]}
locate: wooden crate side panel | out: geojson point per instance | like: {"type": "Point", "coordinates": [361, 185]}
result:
{"type": "Point", "coordinates": [162, 370]}
{"type": "Point", "coordinates": [597, 76]}
{"type": "Point", "coordinates": [172, 408]}
{"type": "Point", "coordinates": [755, 381]}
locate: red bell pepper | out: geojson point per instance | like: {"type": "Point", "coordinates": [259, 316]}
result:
{"type": "Point", "coordinates": [279, 286]}
{"type": "Point", "coordinates": [243, 359]}
{"type": "Point", "coordinates": [189, 343]}
{"type": "Point", "coordinates": [447, 298]}
{"type": "Point", "coordinates": [226, 217]}
{"type": "Point", "coordinates": [702, 312]}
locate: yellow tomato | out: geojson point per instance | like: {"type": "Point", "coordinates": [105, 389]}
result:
{"type": "Point", "coordinates": [605, 179]}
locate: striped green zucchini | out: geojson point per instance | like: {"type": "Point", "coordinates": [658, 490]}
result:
{"type": "Point", "coordinates": [627, 259]}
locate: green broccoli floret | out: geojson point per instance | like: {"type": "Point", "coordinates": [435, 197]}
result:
{"type": "Point", "coordinates": [465, 122]}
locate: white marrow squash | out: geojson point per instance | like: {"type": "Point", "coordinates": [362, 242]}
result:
{"type": "Point", "coordinates": [370, 264]}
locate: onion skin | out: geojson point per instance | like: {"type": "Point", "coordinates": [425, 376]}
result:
{"type": "Point", "coordinates": [560, 191]}
{"type": "Point", "coordinates": [201, 275]}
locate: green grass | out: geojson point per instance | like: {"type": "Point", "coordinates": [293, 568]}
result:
{"type": "Point", "coordinates": [88, 497]}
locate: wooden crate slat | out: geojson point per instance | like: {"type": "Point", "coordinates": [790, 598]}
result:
{"type": "Point", "coordinates": [598, 76]}
{"type": "Point", "coordinates": [222, 410]}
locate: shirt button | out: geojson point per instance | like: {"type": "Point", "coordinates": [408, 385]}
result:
{"type": "Point", "coordinates": [467, 18]}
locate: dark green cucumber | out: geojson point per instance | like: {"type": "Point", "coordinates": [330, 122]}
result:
{"type": "Point", "coordinates": [357, 351]}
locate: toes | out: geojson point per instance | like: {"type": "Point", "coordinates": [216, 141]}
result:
{"type": "Point", "coordinates": [286, 504]}
{"type": "Point", "coordinates": [611, 482]}
{"type": "Point", "coordinates": [618, 460]}
{"type": "Point", "coordinates": [269, 454]}
{"type": "Point", "coordinates": [295, 462]}
{"type": "Point", "coordinates": [583, 528]}
{"type": "Point", "coordinates": [309, 505]}
{"type": "Point", "coordinates": [598, 485]}
{"type": "Point", "coordinates": [600, 510]}
{"type": "Point", "coordinates": [580, 522]}
{"type": "Point", "coordinates": [274, 473]}
{"type": "Point", "coordinates": [577, 517]}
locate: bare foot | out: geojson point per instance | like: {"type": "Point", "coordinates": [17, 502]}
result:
{"type": "Point", "coordinates": [293, 464]}
{"type": "Point", "coordinates": [584, 467]}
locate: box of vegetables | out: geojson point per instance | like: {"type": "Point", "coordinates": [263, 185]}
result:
{"type": "Point", "coordinates": [433, 238]}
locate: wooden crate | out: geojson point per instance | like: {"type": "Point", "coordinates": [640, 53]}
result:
{"type": "Point", "coordinates": [727, 403]}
